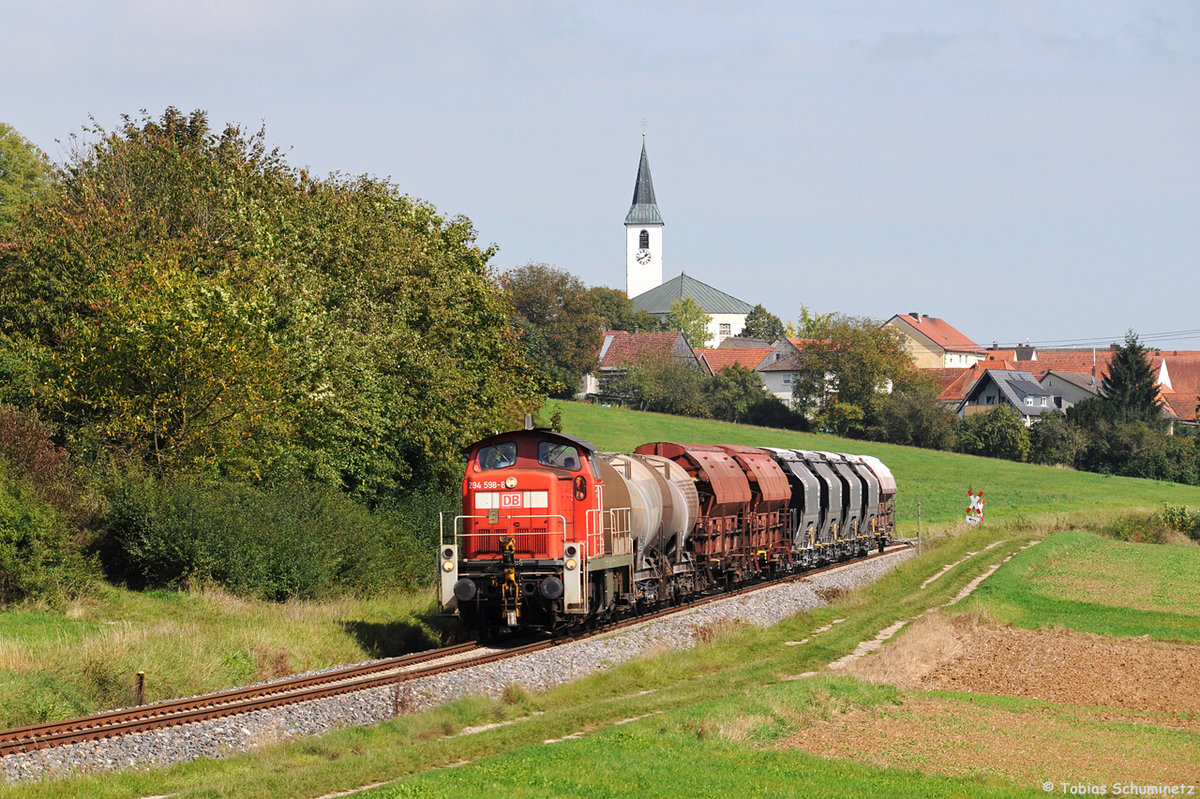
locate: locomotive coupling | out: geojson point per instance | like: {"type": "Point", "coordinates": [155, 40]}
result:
{"type": "Point", "coordinates": [510, 590]}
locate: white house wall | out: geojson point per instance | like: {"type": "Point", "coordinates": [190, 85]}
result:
{"type": "Point", "coordinates": [736, 322]}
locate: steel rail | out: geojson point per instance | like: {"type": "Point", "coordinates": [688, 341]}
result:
{"type": "Point", "coordinates": [392, 671]}
{"type": "Point", "coordinates": [100, 725]}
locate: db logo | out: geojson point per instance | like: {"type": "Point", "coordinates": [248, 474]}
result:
{"type": "Point", "coordinates": [512, 500]}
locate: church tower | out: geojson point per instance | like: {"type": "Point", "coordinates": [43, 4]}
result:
{"type": "Point", "coordinates": [643, 235]}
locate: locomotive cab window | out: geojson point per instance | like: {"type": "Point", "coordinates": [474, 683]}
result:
{"type": "Point", "coordinates": [498, 456]}
{"type": "Point", "coordinates": [558, 456]}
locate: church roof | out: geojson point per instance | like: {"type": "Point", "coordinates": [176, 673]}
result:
{"type": "Point", "coordinates": [644, 210]}
{"type": "Point", "coordinates": [659, 300]}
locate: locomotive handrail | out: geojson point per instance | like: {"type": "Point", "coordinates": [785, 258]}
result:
{"type": "Point", "coordinates": [459, 534]}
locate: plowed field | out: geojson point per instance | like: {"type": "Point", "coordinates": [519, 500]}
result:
{"type": "Point", "coordinates": [1033, 706]}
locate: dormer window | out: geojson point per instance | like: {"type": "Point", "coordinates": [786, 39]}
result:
{"type": "Point", "coordinates": [644, 240]}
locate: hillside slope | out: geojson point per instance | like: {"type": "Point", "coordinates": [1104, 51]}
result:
{"type": "Point", "coordinates": [938, 481]}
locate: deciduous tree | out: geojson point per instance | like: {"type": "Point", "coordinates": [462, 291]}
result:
{"type": "Point", "coordinates": [617, 312]}
{"type": "Point", "coordinates": [913, 415]}
{"type": "Point", "coordinates": [686, 316]}
{"type": "Point", "coordinates": [24, 172]}
{"type": "Point", "coordinates": [662, 383]}
{"type": "Point", "coordinates": [998, 433]}
{"type": "Point", "coordinates": [562, 327]}
{"type": "Point", "coordinates": [762, 324]}
{"type": "Point", "coordinates": [855, 359]}
{"type": "Point", "coordinates": [733, 393]}
{"type": "Point", "coordinates": [1054, 442]}
{"type": "Point", "coordinates": [190, 300]}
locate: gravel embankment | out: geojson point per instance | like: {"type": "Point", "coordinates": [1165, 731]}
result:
{"type": "Point", "coordinates": [536, 672]}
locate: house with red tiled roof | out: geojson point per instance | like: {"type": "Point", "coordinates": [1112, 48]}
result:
{"type": "Point", "coordinates": [1178, 374]}
{"type": "Point", "coordinates": [933, 343]}
{"type": "Point", "coordinates": [953, 384]}
{"type": "Point", "coordinates": [1179, 383]}
{"type": "Point", "coordinates": [775, 365]}
{"type": "Point", "coordinates": [723, 358]}
{"type": "Point", "coordinates": [619, 350]}
{"type": "Point", "coordinates": [1181, 405]}
{"type": "Point", "coordinates": [781, 364]}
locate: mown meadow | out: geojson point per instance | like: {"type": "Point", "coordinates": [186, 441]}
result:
{"type": "Point", "coordinates": [936, 481]}
{"type": "Point", "coordinates": [714, 721]}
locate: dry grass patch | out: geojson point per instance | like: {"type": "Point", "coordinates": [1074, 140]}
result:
{"type": "Point", "coordinates": [925, 645]}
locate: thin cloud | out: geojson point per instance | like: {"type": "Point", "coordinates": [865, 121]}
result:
{"type": "Point", "coordinates": [909, 47]}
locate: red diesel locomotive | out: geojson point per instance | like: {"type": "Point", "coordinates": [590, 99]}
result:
{"type": "Point", "coordinates": [554, 533]}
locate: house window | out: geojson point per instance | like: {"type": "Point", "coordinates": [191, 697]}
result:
{"type": "Point", "coordinates": [1029, 400]}
{"type": "Point", "coordinates": [644, 239]}
{"type": "Point", "coordinates": [726, 331]}
{"type": "Point", "coordinates": [787, 380]}
{"type": "Point", "coordinates": [1043, 402]}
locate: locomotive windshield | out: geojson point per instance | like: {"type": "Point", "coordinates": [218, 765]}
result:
{"type": "Point", "coordinates": [497, 456]}
{"type": "Point", "coordinates": [558, 456]}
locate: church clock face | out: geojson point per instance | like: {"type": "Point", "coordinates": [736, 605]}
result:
{"type": "Point", "coordinates": [643, 256]}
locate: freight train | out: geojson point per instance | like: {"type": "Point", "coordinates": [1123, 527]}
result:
{"type": "Point", "coordinates": [554, 533]}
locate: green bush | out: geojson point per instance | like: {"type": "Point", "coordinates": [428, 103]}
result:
{"type": "Point", "coordinates": [1180, 519]}
{"type": "Point", "coordinates": [276, 541]}
{"type": "Point", "coordinates": [1136, 528]}
{"type": "Point", "coordinates": [998, 433]}
{"type": "Point", "coordinates": [39, 559]}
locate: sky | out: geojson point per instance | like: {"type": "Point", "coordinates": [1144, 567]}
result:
{"type": "Point", "coordinates": [1026, 170]}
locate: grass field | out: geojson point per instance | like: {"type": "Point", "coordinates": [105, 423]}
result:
{"type": "Point", "coordinates": [1090, 584]}
{"type": "Point", "coordinates": [57, 665]}
{"type": "Point", "coordinates": [938, 481]}
{"type": "Point", "coordinates": [725, 719]}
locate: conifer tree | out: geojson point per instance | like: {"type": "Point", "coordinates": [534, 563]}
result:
{"type": "Point", "coordinates": [1131, 385]}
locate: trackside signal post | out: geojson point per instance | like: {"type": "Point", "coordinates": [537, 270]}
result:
{"type": "Point", "coordinates": [974, 507]}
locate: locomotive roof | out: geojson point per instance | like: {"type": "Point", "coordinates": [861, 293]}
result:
{"type": "Point", "coordinates": [543, 432]}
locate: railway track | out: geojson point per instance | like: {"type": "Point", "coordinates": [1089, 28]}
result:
{"type": "Point", "coordinates": [392, 671]}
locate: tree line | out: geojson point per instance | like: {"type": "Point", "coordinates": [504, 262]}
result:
{"type": "Point", "coordinates": [218, 367]}
{"type": "Point", "coordinates": [197, 326]}
{"type": "Point", "coordinates": [852, 377]}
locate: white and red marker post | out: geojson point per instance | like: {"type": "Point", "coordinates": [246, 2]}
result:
{"type": "Point", "coordinates": [974, 507]}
